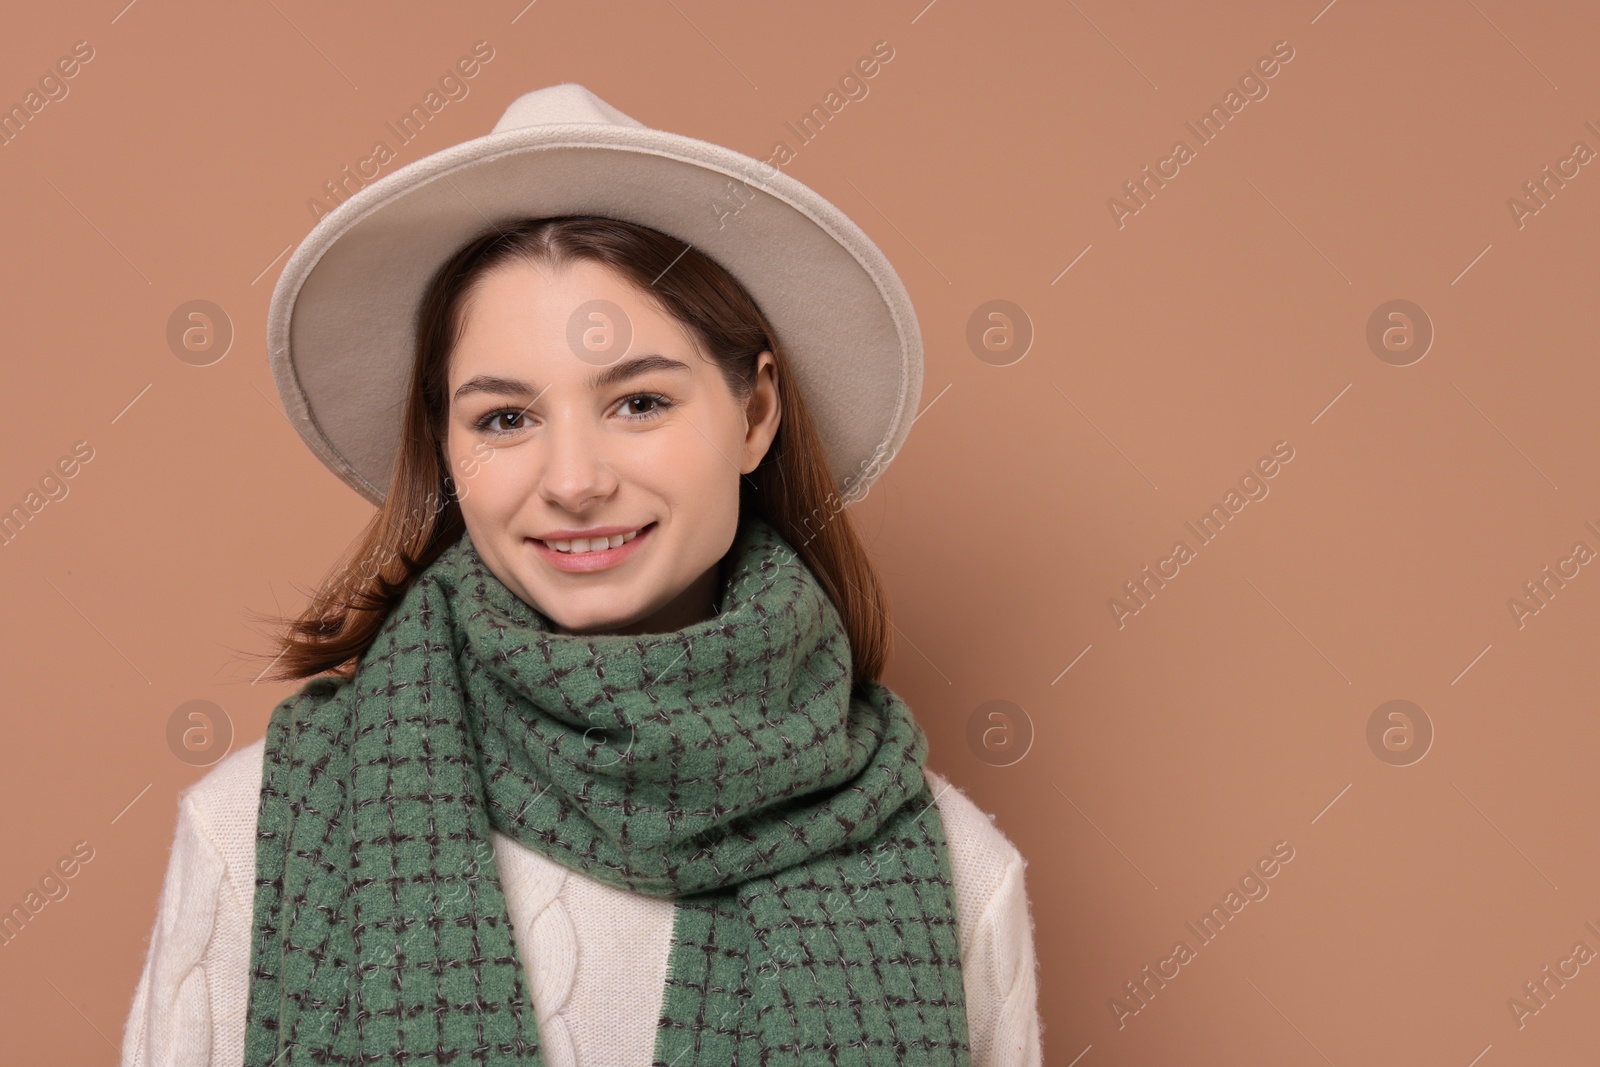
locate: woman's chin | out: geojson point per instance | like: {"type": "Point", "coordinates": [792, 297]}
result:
{"type": "Point", "coordinates": [595, 624]}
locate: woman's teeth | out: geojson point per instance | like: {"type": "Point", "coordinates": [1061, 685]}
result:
{"type": "Point", "coordinates": [594, 544]}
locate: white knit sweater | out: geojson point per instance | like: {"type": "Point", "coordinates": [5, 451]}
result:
{"type": "Point", "coordinates": [596, 954]}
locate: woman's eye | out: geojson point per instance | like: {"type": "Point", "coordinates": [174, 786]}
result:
{"type": "Point", "coordinates": [491, 424]}
{"type": "Point", "coordinates": [657, 404]}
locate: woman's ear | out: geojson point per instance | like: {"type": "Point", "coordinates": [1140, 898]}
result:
{"type": "Point", "coordinates": [762, 412]}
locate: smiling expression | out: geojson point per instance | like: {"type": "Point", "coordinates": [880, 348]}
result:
{"type": "Point", "coordinates": [646, 449]}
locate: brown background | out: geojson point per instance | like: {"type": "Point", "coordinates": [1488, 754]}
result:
{"type": "Point", "coordinates": [1228, 314]}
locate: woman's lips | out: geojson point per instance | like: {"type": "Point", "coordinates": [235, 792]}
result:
{"type": "Point", "coordinates": [583, 562]}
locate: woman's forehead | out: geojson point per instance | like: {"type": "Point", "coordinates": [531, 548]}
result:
{"type": "Point", "coordinates": [580, 301]}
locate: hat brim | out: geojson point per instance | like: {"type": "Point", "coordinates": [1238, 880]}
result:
{"type": "Point", "coordinates": [340, 329]}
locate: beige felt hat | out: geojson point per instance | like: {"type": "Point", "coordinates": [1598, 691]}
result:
{"type": "Point", "coordinates": [340, 329]}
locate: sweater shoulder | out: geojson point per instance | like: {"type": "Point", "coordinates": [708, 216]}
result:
{"type": "Point", "coordinates": [999, 964]}
{"type": "Point", "coordinates": [968, 827]}
{"type": "Point", "coordinates": [982, 857]}
{"type": "Point", "coordinates": [236, 776]}
{"type": "Point", "coordinates": [224, 804]}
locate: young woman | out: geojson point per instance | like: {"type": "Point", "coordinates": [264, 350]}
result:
{"type": "Point", "coordinates": [592, 765]}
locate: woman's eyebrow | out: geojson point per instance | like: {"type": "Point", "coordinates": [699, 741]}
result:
{"type": "Point", "coordinates": [617, 372]}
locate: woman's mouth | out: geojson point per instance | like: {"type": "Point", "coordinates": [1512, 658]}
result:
{"type": "Point", "coordinates": [581, 556]}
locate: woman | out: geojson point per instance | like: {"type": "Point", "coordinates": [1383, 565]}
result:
{"type": "Point", "coordinates": [592, 766]}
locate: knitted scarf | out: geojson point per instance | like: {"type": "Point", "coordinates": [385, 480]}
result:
{"type": "Point", "coordinates": [729, 765]}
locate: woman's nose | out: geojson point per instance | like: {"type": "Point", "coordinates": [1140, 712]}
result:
{"type": "Point", "coordinates": [573, 468]}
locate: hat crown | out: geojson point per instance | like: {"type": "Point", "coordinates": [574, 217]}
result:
{"type": "Point", "coordinates": [556, 104]}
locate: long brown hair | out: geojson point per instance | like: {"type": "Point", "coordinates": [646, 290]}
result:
{"type": "Point", "coordinates": [420, 517]}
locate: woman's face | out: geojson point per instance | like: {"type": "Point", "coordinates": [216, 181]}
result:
{"type": "Point", "coordinates": [560, 424]}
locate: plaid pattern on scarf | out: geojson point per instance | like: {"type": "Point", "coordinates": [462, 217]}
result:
{"type": "Point", "coordinates": [728, 765]}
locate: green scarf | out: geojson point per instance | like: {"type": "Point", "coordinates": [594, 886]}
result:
{"type": "Point", "coordinates": [728, 765]}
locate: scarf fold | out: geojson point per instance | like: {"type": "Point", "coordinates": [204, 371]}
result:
{"type": "Point", "coordinates": [729, 765]}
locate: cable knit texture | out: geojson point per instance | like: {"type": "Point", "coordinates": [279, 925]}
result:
{"type": "Point", "coordinates": [596, 955]}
